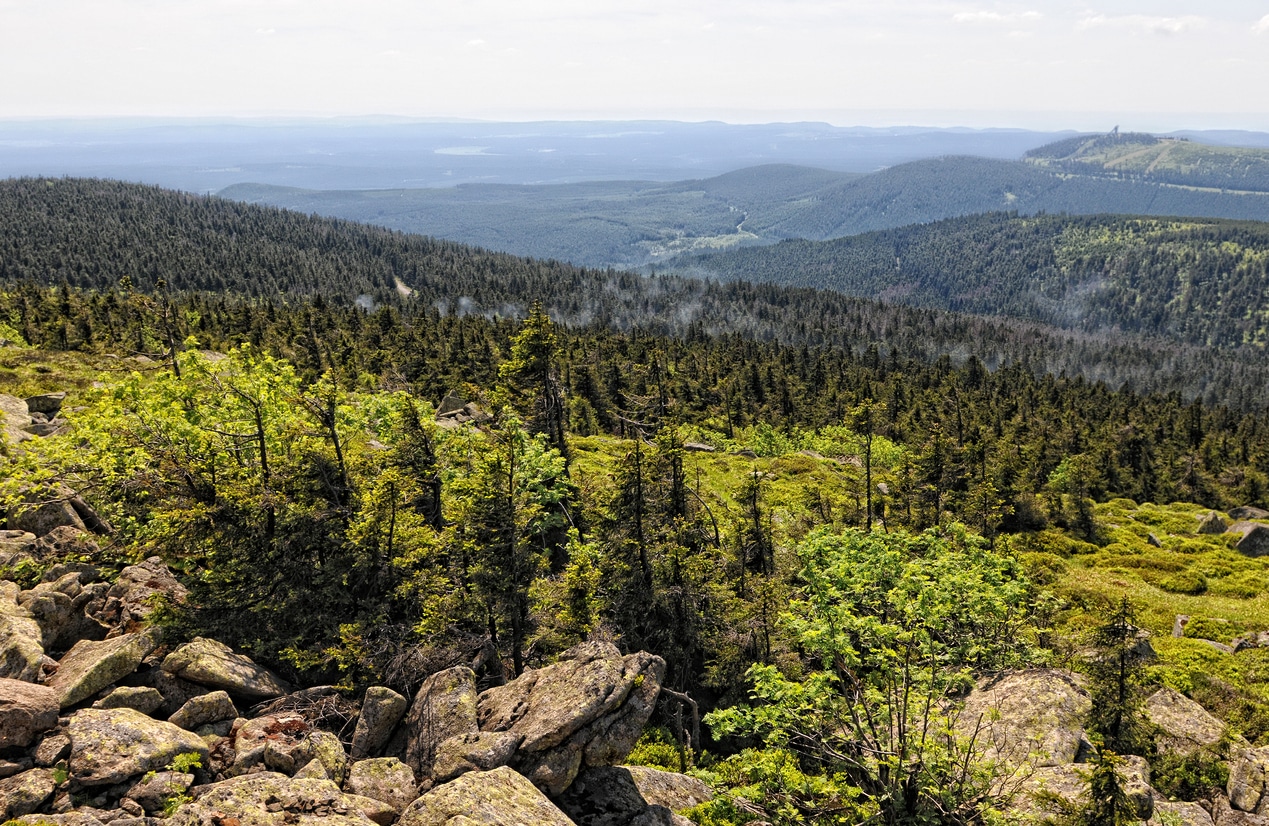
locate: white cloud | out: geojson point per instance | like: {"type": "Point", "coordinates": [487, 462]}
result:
{"type": "Point", "coordinates": [1144, 22]}
{"type": "Point", "coordinates": [1262, 27]}
{"type": "Point", "coordinates": [983, 16]}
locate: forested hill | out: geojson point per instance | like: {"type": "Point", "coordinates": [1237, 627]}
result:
{"type": "Point", "coordinates": [1201, 282]}
{"type": "Point", "coordinates": [94, 234]}
{"type": "Point", "coordinates": [1144, 157]}
{"type": "Point", "coordinates": [630, 224]}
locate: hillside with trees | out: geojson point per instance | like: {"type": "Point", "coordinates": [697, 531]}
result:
{"type": "Point", "coordinates": [819, 564]}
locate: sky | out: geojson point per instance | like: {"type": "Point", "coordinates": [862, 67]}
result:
{"type": "Point", "coordinates": [1154, 66]}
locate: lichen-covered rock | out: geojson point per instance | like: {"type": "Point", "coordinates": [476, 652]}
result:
{"type": "Point", "coordinates": [203, 709]}
{"type": "Point", "coordinates": [617, 795]}
{"type": "Point", "coordinates": [1184, 726]}
{"type": "Point", "coordinates": [329, 751]}
{"type": "Point", "coordinates": [23, 793]}
{"type": "Point", "coordinates": [65, 819]}
{"type": "Point", "coordinates": [492, 798]}
{"type": "Point", "coordinates": [16, 548]}
{"type": "Point", "coordinates": [588, 708]}
{"type": "Point", "coordinates": [385, 779]}
{"type": "Point", "coordinates": [154, 791]}
{"type": "Point", "coordinates": [1247, 777]}
{"type": "Point", "coordinates": [136, 592]}
{"type": "Point", "coordinates": [1033, 717]}
{"type": "Point", "coordinates": [21, 648]}
{"type": "Point", "coordinates": [444, 706]}
{"type": "Point", "coordinates": [26, 711]}
{"type": "Point", "coordinates": [270, 799]}
{"type": "Point", "coordinates": [279, 741]}
{"type": "Point", "coordinates": [214, 664]}
{"type": "Point", "coordinates": [1224, 815]}
{"type": "Point", "coordinates": [381, 710]}
{"type": "Point", "coordinates": [138, 698]}
{"type": "Point", "coordinates": [91, 666]}
{"type": "Point", "coordinates": [474, 751]}
{"type": "Point", "coordinates": [1246, 512]}
{"type": "Point", "coordinates": [378, 811]}
{"type": "Point", "coordinates": [111, 745]}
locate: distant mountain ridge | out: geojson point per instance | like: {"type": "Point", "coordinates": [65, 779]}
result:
{"type": "Point", "coordinates": [632, 224]}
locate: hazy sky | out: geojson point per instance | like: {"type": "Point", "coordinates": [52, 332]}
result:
{"type": "Point", "coordinates": [1153, 65]}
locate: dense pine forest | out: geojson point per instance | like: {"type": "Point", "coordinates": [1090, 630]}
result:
{"type": "Point", "coordinates": [373, 456]}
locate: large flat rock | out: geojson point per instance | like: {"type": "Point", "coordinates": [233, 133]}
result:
{"type": "Point", "coordinates": [111, 745]}
{"type": "Point", "coordinates": [215, 665]}
{"type": "Point", "coordinates": [1033, 717]}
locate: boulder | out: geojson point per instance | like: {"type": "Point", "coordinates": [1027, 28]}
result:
{"type": "Point", "coordinates": [91, 666]}
{"type": "Point", "coordinates": [47, 404]}
{"type": "Point", "coordinates": [1035, 716]}
{"type": "Point", "coordinates": [1168, 813]}
{"type": "Point", "coordinates": [1070, 783]}
{"type": "Point", "coordinates": [617, 795]}
{"type": "Point", "coordinates": [154, 791]}
{"type": "Point", "coordinates": [1255, 538]}
{"type": "Point", "coordinates": [214, 664]}
{"type": "Point", "coordinates": [136, 592]}
{"type": "Point", "coordinates": [66, 819]}
{"type": "Point", "coordinates": [269, 799]}
{"type": "Point", "coordinates": [26, 711]}
{"type": "Point", "coordinates": [111, 745]}
{"type": "Point", "coordinates": [587, 709]}
{"type": "Point", "coordinates": [1225, 815]}
{"type": "Point", "coordinates": [1246, 512]}
{"type": "Point", "coordinates": [381, 710]}
{"type": "Point", "coordinates": [21, 649]}
{"type": "Point", "coordinates": [138, 698]}
{"type": "Point", "coordinates": [15, 417]}
{"type": "Point", "coordinates": [285, 742]}
{"type": "Point", "coordinates": [378, 811]}
{"type": "Point", "coordinates": [52, 749]}
{"type": "Point", "coordinates": [1211, 523]}
{"type": "Point", "coordinates": [491, 798]}
{"type": "Point", "coordinates": [47, 508]}
{"type": "Point", "coordinates": [16, 548]}
{"type": "Point", "coordinates": [329, 752]}
{"type": "Point", "coordinates": [444, 706]}
{"type": "Point", "coordinates": [24, 793]}
{"type": "Point", "coordinates": [204, 709]}
{"type": "Point", "coordinates": [1246, 786]}
{"type": "Point", "coordinates": [385, 779]}
{"type": "Point", "coordinates": [1185, 727]}
{"type": "Point", "coordinates": [474, 751]}
{"type": "Point", "coordinates": [10, 767]}
{"type": "Point", "coordinates": [65, 543]}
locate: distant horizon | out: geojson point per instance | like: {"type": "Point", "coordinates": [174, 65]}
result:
{"type": "Point", "coordinates": [1092, 122]}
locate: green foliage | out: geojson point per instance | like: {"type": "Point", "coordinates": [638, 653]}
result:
{"type": "Point", "coordinates": [1192, 776]}
{"type": "Point", "coordinates": [186, 762]}
{"type": "Point", "coordinates": [894, 627]}
{"type": "Point", "coordinates": [1116, 670]}
{"type": "Point", "coordinates": [770, 784]}
{"type": "Point", "coordinates": [656, 748]}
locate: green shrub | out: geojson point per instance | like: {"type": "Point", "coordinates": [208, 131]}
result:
{"type": "Point", "coordinates": [1185, 582]}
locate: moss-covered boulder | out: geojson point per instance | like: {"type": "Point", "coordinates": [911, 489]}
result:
{"type": "Point", "coordinates": [203, 709]}
{"type": "Point", "coordinates": [443, 707]}
{"type": "Point", "coordinates": [138, 698]}
{"type": "Point", "coordinates": [215, 665]}
{"type": "Point", "coordinates": [385, 779]}
{"type": "Point", "coordinates": [27, 710]}
{"type": "Point", "coordinates": [1249, 780]}
{"type": "Point", "coordinates": [1184, 726]}
{"type": "Point", "coordinates": [491, 798]}
{"type": "Point", "coordinates": [91, 666]}
{"type": "Point", "coordinates": [21, 646]}
{"type": "Point", "coordinates": [111, 745]}
{"type": "Point", "coordinates": [270, 799]}
{"type": "Point", "coordinates": [1034, 717]}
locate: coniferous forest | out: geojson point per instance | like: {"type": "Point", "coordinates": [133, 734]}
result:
{"type": "Point", "coordinates": [373, 456]}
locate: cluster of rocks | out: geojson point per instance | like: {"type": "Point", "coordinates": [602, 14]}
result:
{"type": "Point", "coordinates": [27, 418]}
{"type": "Point", "coordinates": [1253, 537]}
{"type": "Point", "coordinates": [122, 729]}
{"type": "Point", "coordinates": [1031, 723]}
{"type": "Point", "coordinates": [456, 410]}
